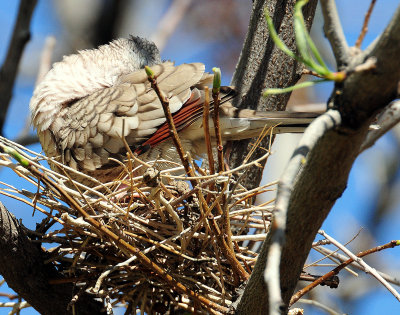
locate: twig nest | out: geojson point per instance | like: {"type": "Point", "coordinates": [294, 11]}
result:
{"type": "Point", "coordinates": [169, 246]}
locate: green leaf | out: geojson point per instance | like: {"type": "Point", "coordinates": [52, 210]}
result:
{"type": "Point", "coordinates": [268, 92]}
{"type": "Point", "coordinates": [306, 42]}
{"type": "Point", "coordinates": [308, 52]}
{"type": "Point", "coordinates": [278, 42]}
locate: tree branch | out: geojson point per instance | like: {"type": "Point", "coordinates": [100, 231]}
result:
{"type": "Point", "coordinates": [363, 264]}
{"type": "Point", "coordinates": [261, 65]}
{"type": "Point", "coordinates": [334, 32]}
{"type": "Point", "coordinates": [8, 71]}
{"type": "Point", "coordinates": [389, 118]}
{"type": "Point", "coordinates": [385, 79]}
{"type": "Point", "coordinates": [323, 172]}
{"type": "Point", "coordinates": [318, 127]}
{"type": "Point", "coordinates": [21, 264]}
{"type": "Point", "coordinates": [25, 138]}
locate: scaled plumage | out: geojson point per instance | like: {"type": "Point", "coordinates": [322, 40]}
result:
{"type": "Point", "coordinates": [82, 103]}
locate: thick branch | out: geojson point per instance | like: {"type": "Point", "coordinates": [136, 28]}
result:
{"type": "Point", "coordinates": [21, 264]}
{"type": "Point", "coordinates": [261, 65]}
{"type": "Point", "coordinates": [375, 88]}
{"type": "Point", "coordinates": [8, 71]}
{"type": "Point", "coordinates": [322, 175]}
{"type": "Point", "coordinates": [326, 122]}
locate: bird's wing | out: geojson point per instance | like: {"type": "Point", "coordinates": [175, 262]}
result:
{"type": "Point", "coordinates": [88, 131]}
{"type": "Point", "coordinates": [189, 113]}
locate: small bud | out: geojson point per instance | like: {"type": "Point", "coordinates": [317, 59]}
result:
{"type": "Point", "coordinates": [217, 80]}
{"type": "Point", "coordinates": [149, 72]}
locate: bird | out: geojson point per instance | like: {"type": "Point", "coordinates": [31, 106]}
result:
{"type": "Point", "coordinates": [90, 101]}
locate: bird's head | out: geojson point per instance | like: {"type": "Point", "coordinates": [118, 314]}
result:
{"type": "Point", "coordinates": [86, 72]}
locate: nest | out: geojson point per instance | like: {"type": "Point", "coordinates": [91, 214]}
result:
{"type": "Point", "coordinates": [156, 243]}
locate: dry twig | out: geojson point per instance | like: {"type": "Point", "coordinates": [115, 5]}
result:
{"type": "Point", "coordinates": [335, 271]}
{"type": "Point", "coordinates": [364, 28]}
{"type": "Point", "coordinates": [119, 250]}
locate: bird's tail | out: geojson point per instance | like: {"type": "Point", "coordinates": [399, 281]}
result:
{"type": "Point", "coordinates": [249, 123]}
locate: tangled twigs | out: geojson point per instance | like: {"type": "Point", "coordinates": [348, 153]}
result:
{"type": "Point", "coordinates": [128, 248]}
{"type": "Point", "coordinates": [335, 271]}
{"type": "Point", "coordinates": [158, 250]}
{"type": "Point", "coordinates": [224, 238]}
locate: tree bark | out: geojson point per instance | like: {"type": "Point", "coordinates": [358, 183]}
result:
{"type": "Point", "coordinates": [328, 158]}
{"type": "Point", "coordinates": [22, 266]}
{"type": "Point", "coordinates": [262, 65]}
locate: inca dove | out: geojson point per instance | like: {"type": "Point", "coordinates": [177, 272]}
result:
{"type": "Point", "coordinates": [79, 109]}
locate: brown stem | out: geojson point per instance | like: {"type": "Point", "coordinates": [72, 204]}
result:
{"type": "Point", "coordinates": [335, 271]}
{"type": "Point", "coordinates": [364, 28]}
{"type": "Point", "coordinates": [206, 127]}
{"type": "Point", "coordinates": [226, 250]}
{"type": "Point", "coordinates": [172, 129]}
{"type": "Point", "coordinates": [310, 72]}
{"type": "Point", "coordinates": [226, 224]}
{"type": "Point", "coordinates": [220, 148]}
{"type": "Point", "coordinates": [223, 244]}
{"type": "Point", "coordinates": [332, 282]}
{"type": "Point", "coordinates": [7, 295]}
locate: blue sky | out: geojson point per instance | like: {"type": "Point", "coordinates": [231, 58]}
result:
{"type": "Point", "coordinates": [352, 211]}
